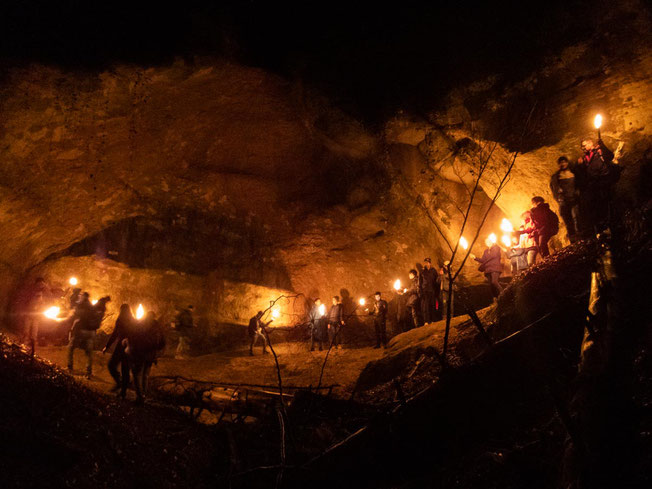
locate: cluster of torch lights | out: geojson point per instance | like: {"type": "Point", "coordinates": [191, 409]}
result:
{"type": "Point", "coordinates": [507, 239]}
{"type": "Point", "coordinates": [54, 311]}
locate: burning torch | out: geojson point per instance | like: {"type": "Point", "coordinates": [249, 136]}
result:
{"type": "Point", "coordinates": [597, 122]}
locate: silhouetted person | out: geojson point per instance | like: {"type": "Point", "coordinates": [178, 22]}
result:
{"type": "Point", "coordinates": [526, 240]}
{"type": "Point", "coordinates": [82, 334]}
{"type": "Point", "coordinates": [335, 322]}
{"type": "Point", "coordinates": [144, 340]}
{"type": "Point", "coordinates": [379, 313]}
{"type": "Point", "coordinates": [566, 192]}
{"type": "Point", "coordinates": [412, 299]}
{"type": "Point", "coordinates": [75, 297]}
{"type": "Point", "coordinates": [184, 324]}
{"type": "Point", "coordinates": [446, 288]}
{"type": "Point", "coordinates": [33, 321]}
{"type": "Point", "coordinates": [123, 325]}
{"type": "Point", "coordinates": [100, 310]}
{"type": "Point", "coordinates": [317, 320]}
{"type": "Point", "coordinates": [257, 331]}
{"type": "Point", "coordinates": [600, 175]}
{"type": "Point", "coordinates": [546, 224]}
{"type": "Point", "coordinates": [491, 266]}
{"type": "Point", "coordinates": [429, 288]}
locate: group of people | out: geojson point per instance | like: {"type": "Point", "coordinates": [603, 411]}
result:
{"type": "Point", "coordinates": [583, 191]}
{"type": "Point", "coordinates": [137, 346]}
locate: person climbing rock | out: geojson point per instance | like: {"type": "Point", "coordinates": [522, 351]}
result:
{"type": "Point", "coordinates": [335, 323]}
{"type": "Point", "coordinates": [82, 334]}
{"type": "Point", "coordinates": [379, 313]}
{"type": "Point", "coordinates": [184, 325]}
{"type": "Point", "coordinates": [600, 175]}
{"type": "Point", "coordinates": [546, 224]}
{"type": "Point", "coordinates": [491, 266]}
{"type": "Point", "coordinates": [256, 330]}
{"type": "Point", "coordinates": [123, 325]}
{"type": "Point", "coordinates": [566, 192]}
{"type": "Point", "coordinates": [429, 288]}
{"type": "Point", "coordinates": [316, 323]}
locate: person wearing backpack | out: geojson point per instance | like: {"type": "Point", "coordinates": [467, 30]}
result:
{"type": "Point", "coordinates": [546, 224]}
{"type": "Point", "coordinates": [82, 334]}
{"type": "Point", "coordinates": [145, 339]}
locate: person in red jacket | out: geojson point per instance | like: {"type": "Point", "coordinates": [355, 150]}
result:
{"type": "Point", "coordinates": [491, 265]}
{"type": "Point", "coordinates": [546, 224]}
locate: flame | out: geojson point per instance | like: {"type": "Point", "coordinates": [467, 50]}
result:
{"type": "Point", "coordinates": [362, 301]}
{"type": "Point", "coordinates": [506, 226]}
{"type": "Point", "coordinates": [73, 281]}
{"type": "Point", "coordinates": [506, 240]}
{"type": "Point", "coordinates": [94, 301]}
{"type": "Point", "coordinates": [493, 238]}
{"type": "Point", "coordinates": [52, 312]}
{"type": "Point", "coordinates": [464, 243]}
{"type": "Point", "coordinates": [322, 309]}
{"type": "Point", "coordinates": [597, 122]}
{"type": "Point", "coordinates": [140, 312]}
{"type": "Point", "coordinates": [276, 313]}
{"type": "Point", "coordinates": [397, 284]}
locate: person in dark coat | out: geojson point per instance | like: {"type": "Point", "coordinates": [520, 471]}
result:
{"type": "Point", "coordinates": [566, 192]}
{"type": "Point", "coordinates": [145, 339]}
{"type": "Point", "coordinates": [317, 320]}
{"type": "Point", "coordinates": [256, 330]}
{"type": "Point", "coordinates": [379, 313]}
{"type": "Point", "coordinates": [599, 176]}
{"type": "Point", "coordinates": [82, 335]}
{"type": "Point", "coordinates": [412, 302]}
{"type": "Point", "coordinates": [546, 224]}
{"type": "Point", "coordinates": [491, 266]}
{"type": "Point", "coordinates": [335, 322]}
{"type": "Point", "coordinates": [123, 325]}
{"type": "Point", "coordinates": [429, 288]}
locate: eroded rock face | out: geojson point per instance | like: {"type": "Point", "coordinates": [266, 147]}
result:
{"type": "Point", "coordinates": [222, 307]}
{"type": "Point", "coordinates": [233, 175]}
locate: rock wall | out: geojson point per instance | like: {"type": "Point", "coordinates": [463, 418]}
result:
{"type": "Point", "coordinates": [222, 307]}
{"type": "Point", "coordinates": [232, 174]}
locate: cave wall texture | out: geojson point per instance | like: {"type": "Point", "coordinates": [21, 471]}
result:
{"type": "Point", "coordinates": [222, 173]}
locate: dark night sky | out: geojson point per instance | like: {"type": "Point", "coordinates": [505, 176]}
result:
{"type": "Point", "coordinates": [370, 59]}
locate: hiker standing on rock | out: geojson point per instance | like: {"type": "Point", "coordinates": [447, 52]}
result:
{"type": "Point", "coordinates": [412, 301]}
{"type": "Point", "coordinates": [335, 322]}
{"type": "Point", "coordinates": [379, 313]}
{"type": "Point", "coordinates": [446, 288]}
{"type": "Point", "coordinates": [123, 325]}
{"type": "Point", "coordinates": [546, 224]}
{"type": "Point", "coordinates": [491, 266]}
{"type": "Point", "coordinates": [429, 287]}
{"type": "Point", "coordinates": [566, 192]}
{"type": "Point", "coordinates": [184, 325]}
{"type": "Point", "coordinates": [256, 330]}
{"type": "Point", "coordinates": [600, 175]}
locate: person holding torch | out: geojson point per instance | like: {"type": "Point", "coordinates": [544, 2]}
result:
{"type": "Point", "coordinates": [599, 177]}
{"type": "Point", "coordinates": [380, 320]}
{"type": "Point", "coordinates": [317, 319]}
